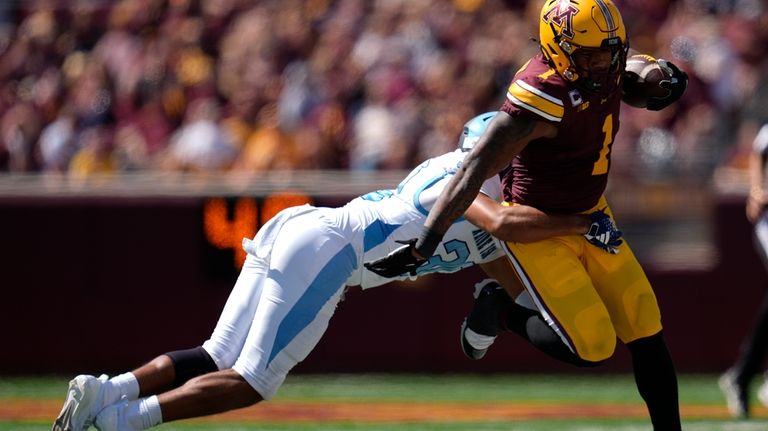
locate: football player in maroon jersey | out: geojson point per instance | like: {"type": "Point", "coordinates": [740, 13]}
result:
{"type": "Point", "coordinates": [556, 128]}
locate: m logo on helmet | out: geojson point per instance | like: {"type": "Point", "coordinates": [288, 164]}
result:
{"type": "Point", "coordinates": [561, 14]}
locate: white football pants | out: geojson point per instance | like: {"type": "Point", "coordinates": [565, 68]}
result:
{"type": "Point", "coordinates": [287, 291]}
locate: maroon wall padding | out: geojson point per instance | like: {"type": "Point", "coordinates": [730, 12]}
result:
{"type": "Point", "coordinates": [103, 285]}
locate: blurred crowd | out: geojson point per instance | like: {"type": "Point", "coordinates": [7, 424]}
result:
{"type": "Point", "coordinates": [250, 85]}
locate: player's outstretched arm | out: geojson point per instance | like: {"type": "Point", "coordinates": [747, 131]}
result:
{"type": "Point", "coordinates": [505, 137]}
{"type": "Point", "coordinates": [521, 223]}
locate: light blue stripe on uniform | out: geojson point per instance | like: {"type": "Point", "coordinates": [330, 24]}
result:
{"type": "Point", "coordinates": [330, 279]}
{"type": "Point", "coordinates": [376, 233]}
{"type": "Point", "coordinates": [428, 184]}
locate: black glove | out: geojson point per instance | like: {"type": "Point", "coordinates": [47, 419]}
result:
{"type": "Point", "coordinates": [676, 83]}
{"type": "Point", "coordinates": [400, 261]}
{"type": "Point", "coordinates": [603, 232]}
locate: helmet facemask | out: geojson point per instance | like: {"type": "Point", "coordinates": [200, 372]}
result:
{"type": "Point", "coordinates": [597, 69]}
{"type": "Point", "coordinates": [585, 41]}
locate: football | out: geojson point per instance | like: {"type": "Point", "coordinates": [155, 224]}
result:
{"type": "Point", "coordinates": [642, 76]}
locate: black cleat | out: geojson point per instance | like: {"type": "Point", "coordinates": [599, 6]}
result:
{"type": "Point", "coordinates": [479, 329]}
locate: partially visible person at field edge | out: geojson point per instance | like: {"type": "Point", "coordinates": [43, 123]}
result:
{"type": "Point", "coordinates": [556, 128]}
{"type": "Point", "coordinates": [735, 382]}
{"type": "Point", "coordinates": [296, 271]}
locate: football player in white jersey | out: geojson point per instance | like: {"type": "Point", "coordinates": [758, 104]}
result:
{"type": "Point", "coordinates": [297, 268]}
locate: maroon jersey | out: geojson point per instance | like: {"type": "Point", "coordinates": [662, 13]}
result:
{"type": "Point", "coordinates": [569, 172]}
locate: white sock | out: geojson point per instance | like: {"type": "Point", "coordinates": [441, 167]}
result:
{"type": "Point", "coordinates": [123, 385]}
{"type": "Point", "coordinates": [149, 408]}
{"type": "Point", "coordinates": [478, 341]}
{"type": "Point", "coordinates": [131, 415]}
{"type": "Point", "coordinates": [143, 414]}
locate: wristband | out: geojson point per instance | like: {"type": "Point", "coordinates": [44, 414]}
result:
{"type": "Point", "coordinates": [427, 243]}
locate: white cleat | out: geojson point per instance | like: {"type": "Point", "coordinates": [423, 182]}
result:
{"type": "Point", "coordinates": [762, 393]}
{"type": "Point", "coordinates": [81, 405]}
{"type": "Point", "coordinates": [736, 395]}
{"type": "Point", "coordinates": [112, 418]}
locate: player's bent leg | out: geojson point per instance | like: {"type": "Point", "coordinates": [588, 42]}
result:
{"type": "Point", "coordinates": [494, 311]}
{"type": "Point", "coordinates": [634, 310]}
{"type": "Point", "coordinates": [530, 325]}
{"type": "Point", "coordinates": [236, 318]}
{"type": "Point", "coordinates": [480, 327]}
{"type": "Point", "coordinates": [562, 290]}
{"type": "Point", "coordinates": [292, 235]}
{"type": "Point", "coordinates": [208, 394]}
{"type": "Point", "coordinates": [190, 363]}
{"type": "Point", "coordinates": [310, 273]}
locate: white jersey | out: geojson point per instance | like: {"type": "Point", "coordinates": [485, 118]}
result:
{"type": "Point", "coordinates": [299, 263]}
{"type": "Point", "coordinates": [386, 216]}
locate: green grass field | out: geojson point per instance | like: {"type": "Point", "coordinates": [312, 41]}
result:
{"type": "Point", "coordinates": [584, 402]}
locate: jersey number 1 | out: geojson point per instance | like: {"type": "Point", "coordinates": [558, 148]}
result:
{"type": "Point", "coordinates": [601, 165]}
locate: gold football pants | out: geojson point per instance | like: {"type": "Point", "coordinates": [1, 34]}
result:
{"type": "Point", "coordinates": [588, 296]}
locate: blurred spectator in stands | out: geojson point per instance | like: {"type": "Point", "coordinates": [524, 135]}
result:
{"type": "Point", "coordinates": [748, 35]}
{"type": "Point", "coordinates": [57, 144]}
{"type": "Point", "coordinates": [20, 126]}
{"type": "Point", "coordinates": [7, 12]}
{"type": "Point", "coordinates": [200, 143]}
{"type": "Point", "coordinates": [375, 138]}
{"type": "Point", "coordinates": [137, 65]}
{"type": "Point", "coordinates": [131, 152]}
{"type": "Point", "coordinates": [94, 155]}
{"type": "Point", "coordinates": [269, 146]}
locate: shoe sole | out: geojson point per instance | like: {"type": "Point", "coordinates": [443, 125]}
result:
{"type": "Point", "coordinates": [72, 416]}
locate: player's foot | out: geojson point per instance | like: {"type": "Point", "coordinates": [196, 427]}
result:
{"type": "Point", "coordinates": [112, 418]}
{"type": "Point", "coordinates": [479, 329]}
{"type": "Point", "coordinates": [736, 395]}
{"type": "Point", "coordinates": [81, 405]}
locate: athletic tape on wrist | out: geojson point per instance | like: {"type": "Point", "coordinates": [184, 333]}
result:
{"type": "Point", "coordinates": [427, 243]}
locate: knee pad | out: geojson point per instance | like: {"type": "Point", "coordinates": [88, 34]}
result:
{"type": "Point", "coordinates": [594, 337]}
{"type": "Point", "coordinates": [191, 363]}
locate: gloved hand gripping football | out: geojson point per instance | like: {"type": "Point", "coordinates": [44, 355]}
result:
{"type": "Point", "coordinates": [676, 82]}
{"type": "Point", "coordinates": [603, 232]}
{"type": "Point", "coordinates": [399, 262]}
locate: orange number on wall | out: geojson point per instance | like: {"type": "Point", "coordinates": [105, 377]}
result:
{"type": "Point", "coordinates": [227, 232]}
